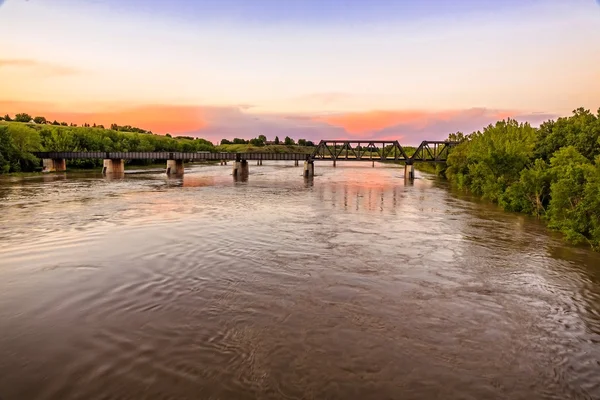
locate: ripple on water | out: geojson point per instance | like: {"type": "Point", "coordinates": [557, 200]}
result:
{"type": "Point", "coordinates": [354, 287]}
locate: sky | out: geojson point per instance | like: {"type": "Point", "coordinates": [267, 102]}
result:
{"type": "Point", "coordinates": [410, 70]}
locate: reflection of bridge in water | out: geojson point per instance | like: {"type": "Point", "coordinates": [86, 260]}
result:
{"type": "Point", "coordinates": [327, 150]}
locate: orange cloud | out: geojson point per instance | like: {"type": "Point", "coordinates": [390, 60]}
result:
{"type": "Point", "coordinates": [157, 118]}
{"type": "Point", "coordinates": [360, 123]}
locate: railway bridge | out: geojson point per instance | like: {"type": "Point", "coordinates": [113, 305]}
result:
{"type": "Point", "coordinates": [327, 150]}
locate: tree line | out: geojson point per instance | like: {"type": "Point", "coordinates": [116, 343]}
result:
{"type": "Point", "coordinates": [261, 140]}
{"type": "Point", "coordinates": [18, 141]}
{"type": "Point", "coordinates": [552, 172]}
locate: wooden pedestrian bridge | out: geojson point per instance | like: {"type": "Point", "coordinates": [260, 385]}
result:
{"type": "Point", "coordinates": [327, 150]}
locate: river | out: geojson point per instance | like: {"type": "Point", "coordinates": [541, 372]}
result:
{"type": "Point", "coordinates": [353, 285]}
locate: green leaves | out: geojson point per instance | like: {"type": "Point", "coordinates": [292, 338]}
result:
{"type": "Point", "coordinates": [551, 172]}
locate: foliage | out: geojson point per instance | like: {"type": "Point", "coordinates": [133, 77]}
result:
{"type": "Point", "coordinates": [19, 140]}
{"type": "Point", "coordinates": [23, 117]}
{"type": "Point", "coordinates": [552, 172]}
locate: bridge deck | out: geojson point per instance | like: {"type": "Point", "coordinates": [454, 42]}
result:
{"type": "Point", "coordinates": [168, 155]}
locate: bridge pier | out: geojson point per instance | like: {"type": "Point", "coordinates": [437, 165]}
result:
{"type": "Point", "coordinates": [113, 166]}
{"type": "Point", "coordinates": [240, 168]}
{"type": "Point", "coordinates": [258, 162]}
{"type": "Point", "coordinates": [54, 165]}
{"type": "Point", "coordinates": [334, 163]}
{"type": "Point", "coordinates": [373, 164]}
{"type": "Point", "coordinates": [175, 167]}
{"type": "Point", "coordinates": [296, 163]}
{"type": "Point", "coordinates": [409, 172]}
{"type": "Point", "coordinates": [309, 169]}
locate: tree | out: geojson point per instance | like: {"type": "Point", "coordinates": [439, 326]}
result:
{"type": "Point", "coordinates": [39, 120]}
{"type": "Point", "coordinates": [569, 170]}
{"type": "Point", "coordinates": [23, 117]}
{"type": "Point", "coordinates": [7, 118]}
{"type": "Point", "coordinates": [239, 141]}
{"type": "Point", "coordinates": [309, 143]}
{"type": "Point", "coordinates": [25, 140]}
{"type": "Point", "coordinates": [288, 141]}
{"type": "Point", "coordinates": [262, 138]}
{"type": "Point", "coordinates": [55, 122]}
{"type": "Point", "coordinates": [276, 141]}
{"type": "Point", "coordinates": [257, 142]}
{"type": "Point", "coordinates": [64, 124]}
{"type": "Point", "coordinates": [168, 135]}
{"type": "Point", "coordinates": [301, 142]}
{"type": "Point", "coordinates": [225, 141]}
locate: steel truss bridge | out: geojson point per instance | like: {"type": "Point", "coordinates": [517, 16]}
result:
{"type": "Point", "coordinates": [381, 150]}
{"type": "Point", "coordinates": [326, 150]}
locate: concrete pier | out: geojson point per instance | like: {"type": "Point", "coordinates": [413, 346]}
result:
{"type": "Point", "coordinates": [334, 163]}
{"type": "Point", "coordinates": [296, 163]}
{"type": "Point", "coordinates": [175, 167]}
{"type": "Point", "coordinates": [258, 162]}
{"type": "Point", "coordinates": [409, 172]}
{"type": "Point", "coordinates": [373, 164]}
{"type": "Point", "coordinates": [240, 168]}
{"type": "Point", "coordinates": [223, 162]}
{"type": "Point", "coordinates": [54, 165]}
{"type": "Point", "coordinates": [113, 166]}
{"type": "Point", "coordinates": [309, 169]}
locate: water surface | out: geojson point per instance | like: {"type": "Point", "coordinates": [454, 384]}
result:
{"type": "Point", "coordinates": [350, 285]}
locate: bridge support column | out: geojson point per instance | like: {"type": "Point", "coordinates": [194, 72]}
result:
{"type": "Point", "coordinates": [54, 165]}
{"type": "Point", "coordinates": [409, 172]}
{"type": "Point", "coordinates": [240, 168]}
{"type": "Point", "coordinates": [373, 164]}
{"type": "Point", "coordinates": [296, 163]}
{"type": "Point", "coordinates": [334, 163]}
{"type": "Point", "coordinates": [309, 169]}
{"type": "Point", "coordinates": [175, 167]}
{"type": "Point", "coordinates": [113, 166]}
{"type": "Point", "coordinates": [258, 162]}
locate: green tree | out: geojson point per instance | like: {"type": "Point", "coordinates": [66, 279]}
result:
{"type": "Point", "coordinates": [257, 142]}
{"type": "Point", "coordinates": [276, 141]}
{"type": "Point", "coordinates": [22, 117]}
{"type": "Point", "coordinates": [262, 138]}
{"type": "Point", "coordinates": [24, 141]}
{"type": "Point", "coordinates": [6, 150]}
{"type": "Point", "coordinates": [288, 141]}
{"type": "Point", "coordinates": [301, 142]}
{"type": "Point", "coordinates": [7, 118]}
{"type": "Point", "coordinates": [39, 120]}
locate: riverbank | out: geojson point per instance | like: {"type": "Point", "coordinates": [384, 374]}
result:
{"type": "Point", "coordinates": [551, 172]}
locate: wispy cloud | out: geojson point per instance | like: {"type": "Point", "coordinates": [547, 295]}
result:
{"type": "Point", "coordinates": [42, 67]}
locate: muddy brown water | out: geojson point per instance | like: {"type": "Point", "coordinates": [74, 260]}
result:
{"type": "Point", "coordinates": [354, 285]}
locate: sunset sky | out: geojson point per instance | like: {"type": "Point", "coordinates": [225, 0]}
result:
{"type": "Point", "coordinates": [402, 69]}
